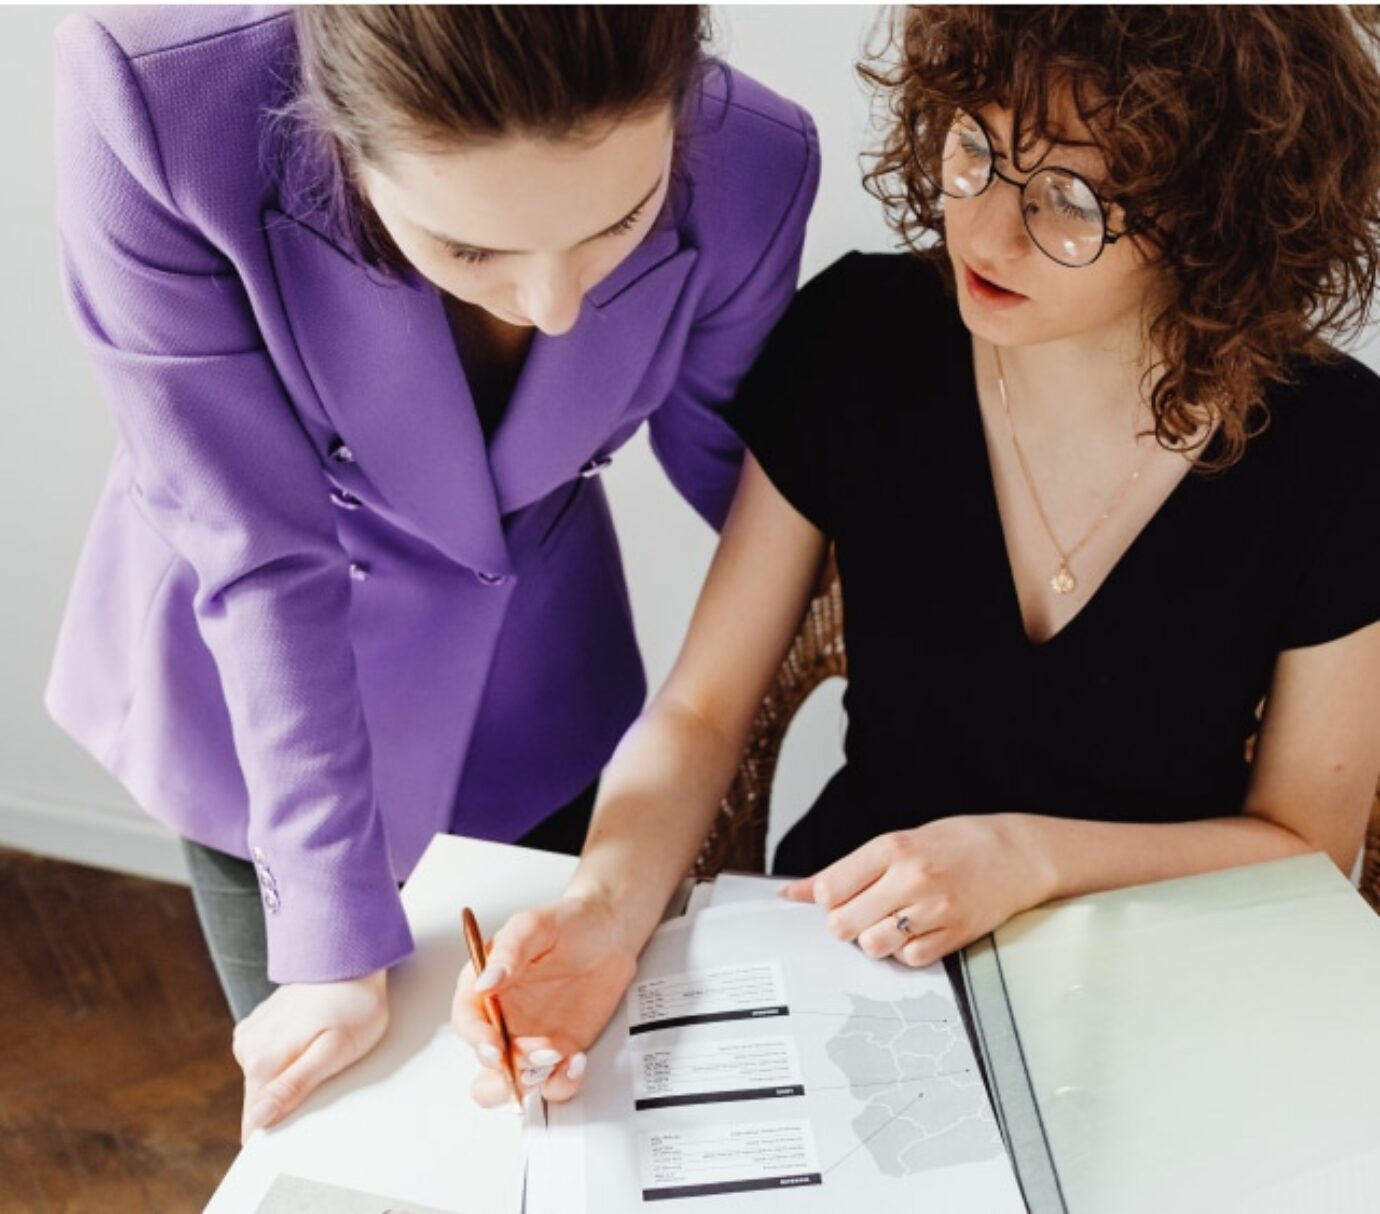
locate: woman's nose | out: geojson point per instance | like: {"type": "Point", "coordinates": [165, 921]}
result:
{"type": "Point", "coordinates": [551, 299]}
{"type": "Point", "coordinates": [996, 231]}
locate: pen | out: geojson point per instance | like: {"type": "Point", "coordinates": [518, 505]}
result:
{"type": "Point", "coordinates": [474, 939]}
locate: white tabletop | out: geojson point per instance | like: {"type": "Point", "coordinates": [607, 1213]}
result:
{"type": "Point", "coordinates": [401, 1124]}
{"type": "Point", "coordinates": [1206, 1044]}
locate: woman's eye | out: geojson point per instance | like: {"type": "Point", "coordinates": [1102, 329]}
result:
{"type": "Point", "coordinates": [974, 147]}
{"type": "Point", "coordinates": [1066, 206]}
{"type": "Point", "coordinates": [625, 225]}
{"type": "Point", "coordinates": [477, 257]}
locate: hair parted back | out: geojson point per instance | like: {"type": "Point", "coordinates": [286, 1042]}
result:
{"type": "Point", "coordinates": [1242, 143]}
{"type": "Point", "coordinates": [429, 77]}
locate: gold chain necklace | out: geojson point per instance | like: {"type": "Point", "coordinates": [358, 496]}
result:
{"type": "Point", "coordinates": [1063, 581]}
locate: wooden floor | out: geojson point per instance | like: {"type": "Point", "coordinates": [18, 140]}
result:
{"type": "Point", "coordinates": [117, 1089]}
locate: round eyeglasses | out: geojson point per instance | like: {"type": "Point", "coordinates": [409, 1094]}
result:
{"type": "Point", "coordinates": [1062, 213]}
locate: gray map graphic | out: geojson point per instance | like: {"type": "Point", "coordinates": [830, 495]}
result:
{"type": "Point", "coordinates": [910, 1063]}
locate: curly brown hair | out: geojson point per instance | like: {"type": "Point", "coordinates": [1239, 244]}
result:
{"type": "Point", "coordinates": [1241, 143]}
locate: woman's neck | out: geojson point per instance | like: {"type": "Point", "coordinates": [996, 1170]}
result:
{"type": "Point", "coordinates": [1091, 382]}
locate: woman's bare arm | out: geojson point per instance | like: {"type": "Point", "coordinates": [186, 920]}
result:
{"type": "Point", "coordinates": [663, 786]}
{"type": "Point", "coordinates": [1312, 785]}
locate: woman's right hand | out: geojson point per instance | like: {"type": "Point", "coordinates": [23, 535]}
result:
{"type": "Point", "coordinates": [558, 972]}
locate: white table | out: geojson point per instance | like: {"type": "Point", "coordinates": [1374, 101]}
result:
{"type": "Point", "coordinates": [401, 1123]}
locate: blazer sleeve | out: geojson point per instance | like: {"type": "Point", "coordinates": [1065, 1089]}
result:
{"type": "Point", "coordinates": [225, 474]}
{"type": "Point", "coordinates": [700, 451]}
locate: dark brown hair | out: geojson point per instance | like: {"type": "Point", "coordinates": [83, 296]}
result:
{"type": "Point", "coordinates": [1241, 143]}
{"type": "Point", "coordinates": [423, 77]}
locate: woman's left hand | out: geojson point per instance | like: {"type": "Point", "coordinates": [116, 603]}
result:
{"type": "Point", "coordinates": [947, 883]}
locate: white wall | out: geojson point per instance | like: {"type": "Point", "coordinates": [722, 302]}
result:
{"type": "Point", "coordinates": [53, 798]}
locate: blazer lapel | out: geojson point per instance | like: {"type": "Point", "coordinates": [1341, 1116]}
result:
{"type": "Point", "coordinates": [382, 363]}
{"type": "Point", "coordinates": [574, 388]}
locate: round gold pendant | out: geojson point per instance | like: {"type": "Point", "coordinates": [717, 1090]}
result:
{"type": "Point", "coordinates": [1063, 581]}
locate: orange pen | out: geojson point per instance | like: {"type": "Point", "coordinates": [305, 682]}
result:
{"type": "Point", "coordinates": [474, 939]}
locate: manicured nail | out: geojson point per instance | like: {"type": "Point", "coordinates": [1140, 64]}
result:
{"type": "Point", "coordinates": [535, 1077]}
{"type": "Point", "coordinates": [576, 1067]}
{"type": "Point", "coordinates": [543, 1058]}
{"type": "Point", "coordinates": [261, 1114]}
{"type": "Point", "coordinates": [489, 1056]}
{"type": "Point", "coordinates": [491, 977]}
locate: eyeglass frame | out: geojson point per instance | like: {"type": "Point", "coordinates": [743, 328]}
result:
{"type": "Point", "coordinates": [994, 173]}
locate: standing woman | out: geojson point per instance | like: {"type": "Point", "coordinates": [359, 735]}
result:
{"type": "Point", "coordinates": [375, 294]}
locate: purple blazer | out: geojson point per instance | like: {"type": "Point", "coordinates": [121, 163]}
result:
{"type": "Point", "coordinates": [316, 619]}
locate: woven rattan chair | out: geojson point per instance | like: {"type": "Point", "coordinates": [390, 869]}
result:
{"type": "Point", "coordinates": [738, 840]}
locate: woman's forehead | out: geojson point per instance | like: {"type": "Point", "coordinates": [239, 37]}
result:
{"type": "Point", "coordinates": [1066, 139]}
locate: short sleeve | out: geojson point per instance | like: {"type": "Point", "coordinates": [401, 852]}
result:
{"type": "Point", "coordinates": [1339, 590]}
{"type": "Point", "coordinates": [786, 407]}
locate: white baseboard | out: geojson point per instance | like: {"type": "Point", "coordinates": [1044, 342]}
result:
{"type": "Point", "coordinates": [98, 835]}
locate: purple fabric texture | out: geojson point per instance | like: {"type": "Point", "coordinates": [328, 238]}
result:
{"type": "Point", "coordinates": [316, 619]}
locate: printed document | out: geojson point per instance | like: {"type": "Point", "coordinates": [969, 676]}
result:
{"type": "Point", "coordinates": [756, 1064]}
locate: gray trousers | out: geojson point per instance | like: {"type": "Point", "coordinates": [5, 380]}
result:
{"type": "Point", "coordinates": [226, 892]}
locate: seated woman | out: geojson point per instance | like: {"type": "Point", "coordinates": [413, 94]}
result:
{"type": "Point", "coordinates": [1098, 486]}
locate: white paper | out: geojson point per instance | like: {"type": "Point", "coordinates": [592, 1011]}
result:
{"type": "Point", "coordinates": [875, 1101]}
{"type": "Point", "coordinates": [297, 1195]}
{"type": "Point", "coordinates": [716, 1072]}
{"type": "Point", "coordinates": [718, 1160]}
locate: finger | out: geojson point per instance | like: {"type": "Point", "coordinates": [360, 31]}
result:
{"type": "Point", "coordinates": [885, 937]}
{"type": "Point", "coordinates": [265, 1048]}
{"type": "Point", "coordinates": [848, 877]}
{"type": "Point", "coordinates": [539, 1051]}
{"type": "Point", "coordinates": [850, 919]}
{"type": "Point", "coordinates": [490, 1090]}
{"type": "Point", "coordinates": [262, 1058]}
{"type": "Point", "coordinates": [567, 1079]}
{"type": "Point", "coordinates": [330, 1052]}
{"type": "Point", "coordinates": [470, 1020]}
{"type": "Point", "coordinates": [800, 890]}
{"type": "Point", "coordinates": [925, 950]}
{"type": "Point", "coordinates": [519, 942]}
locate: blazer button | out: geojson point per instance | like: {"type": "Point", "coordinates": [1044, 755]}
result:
{"type": "Point", "coordinates": [359, 572]}
{"type": "Point", "coordinates": [272, 901]}
{"type": "Point", "coordinates": [345, 499]}
{"type": "Point", "coordinates": [490, 579]}
{"type": "Point", "coordinates": [596, 466]}
{"type": "Point", "coordinates": [340, 452]}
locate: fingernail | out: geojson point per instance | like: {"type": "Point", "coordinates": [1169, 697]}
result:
{"type": "Point", "coordinates": [534, 1077]}
{"type": "Point", "coordinates": [576, 1066]}
{"type": "Point", "coordinates": [261, 1114]}
{"type": "Point", "coordinates": [491, 977]}
{"type": "Point", "coordinates": [489, 1056]}
{"type": "Point", "coordinates": [544, 1057]}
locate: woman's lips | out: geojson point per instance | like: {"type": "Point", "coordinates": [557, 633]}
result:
{"type": "Point", "coordinates": [988, 292]}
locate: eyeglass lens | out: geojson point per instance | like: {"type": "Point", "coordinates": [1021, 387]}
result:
{"type": "Point", "coordinates": [1060, 210]}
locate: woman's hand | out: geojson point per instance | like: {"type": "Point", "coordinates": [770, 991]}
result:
{"type": "Point", "coordinates": [952, 880]}
{"type": "Point", "coordinates": [558, 972]}
{"type": "Point", "coordinates": [300, 1036]}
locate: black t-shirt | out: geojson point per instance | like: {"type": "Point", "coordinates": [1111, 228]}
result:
{"type": "Point", "coordinates": [863, 411]}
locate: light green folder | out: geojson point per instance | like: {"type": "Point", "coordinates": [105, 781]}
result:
{"type": "Point", "coordinates": [1208, 1043]}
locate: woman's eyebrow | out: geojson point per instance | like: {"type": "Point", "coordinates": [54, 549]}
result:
{"type": "Point", "coordinates": [474, 248]}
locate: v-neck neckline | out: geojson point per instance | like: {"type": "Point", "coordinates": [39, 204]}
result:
{"type": "Point", "coordinates": [977, 433]}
